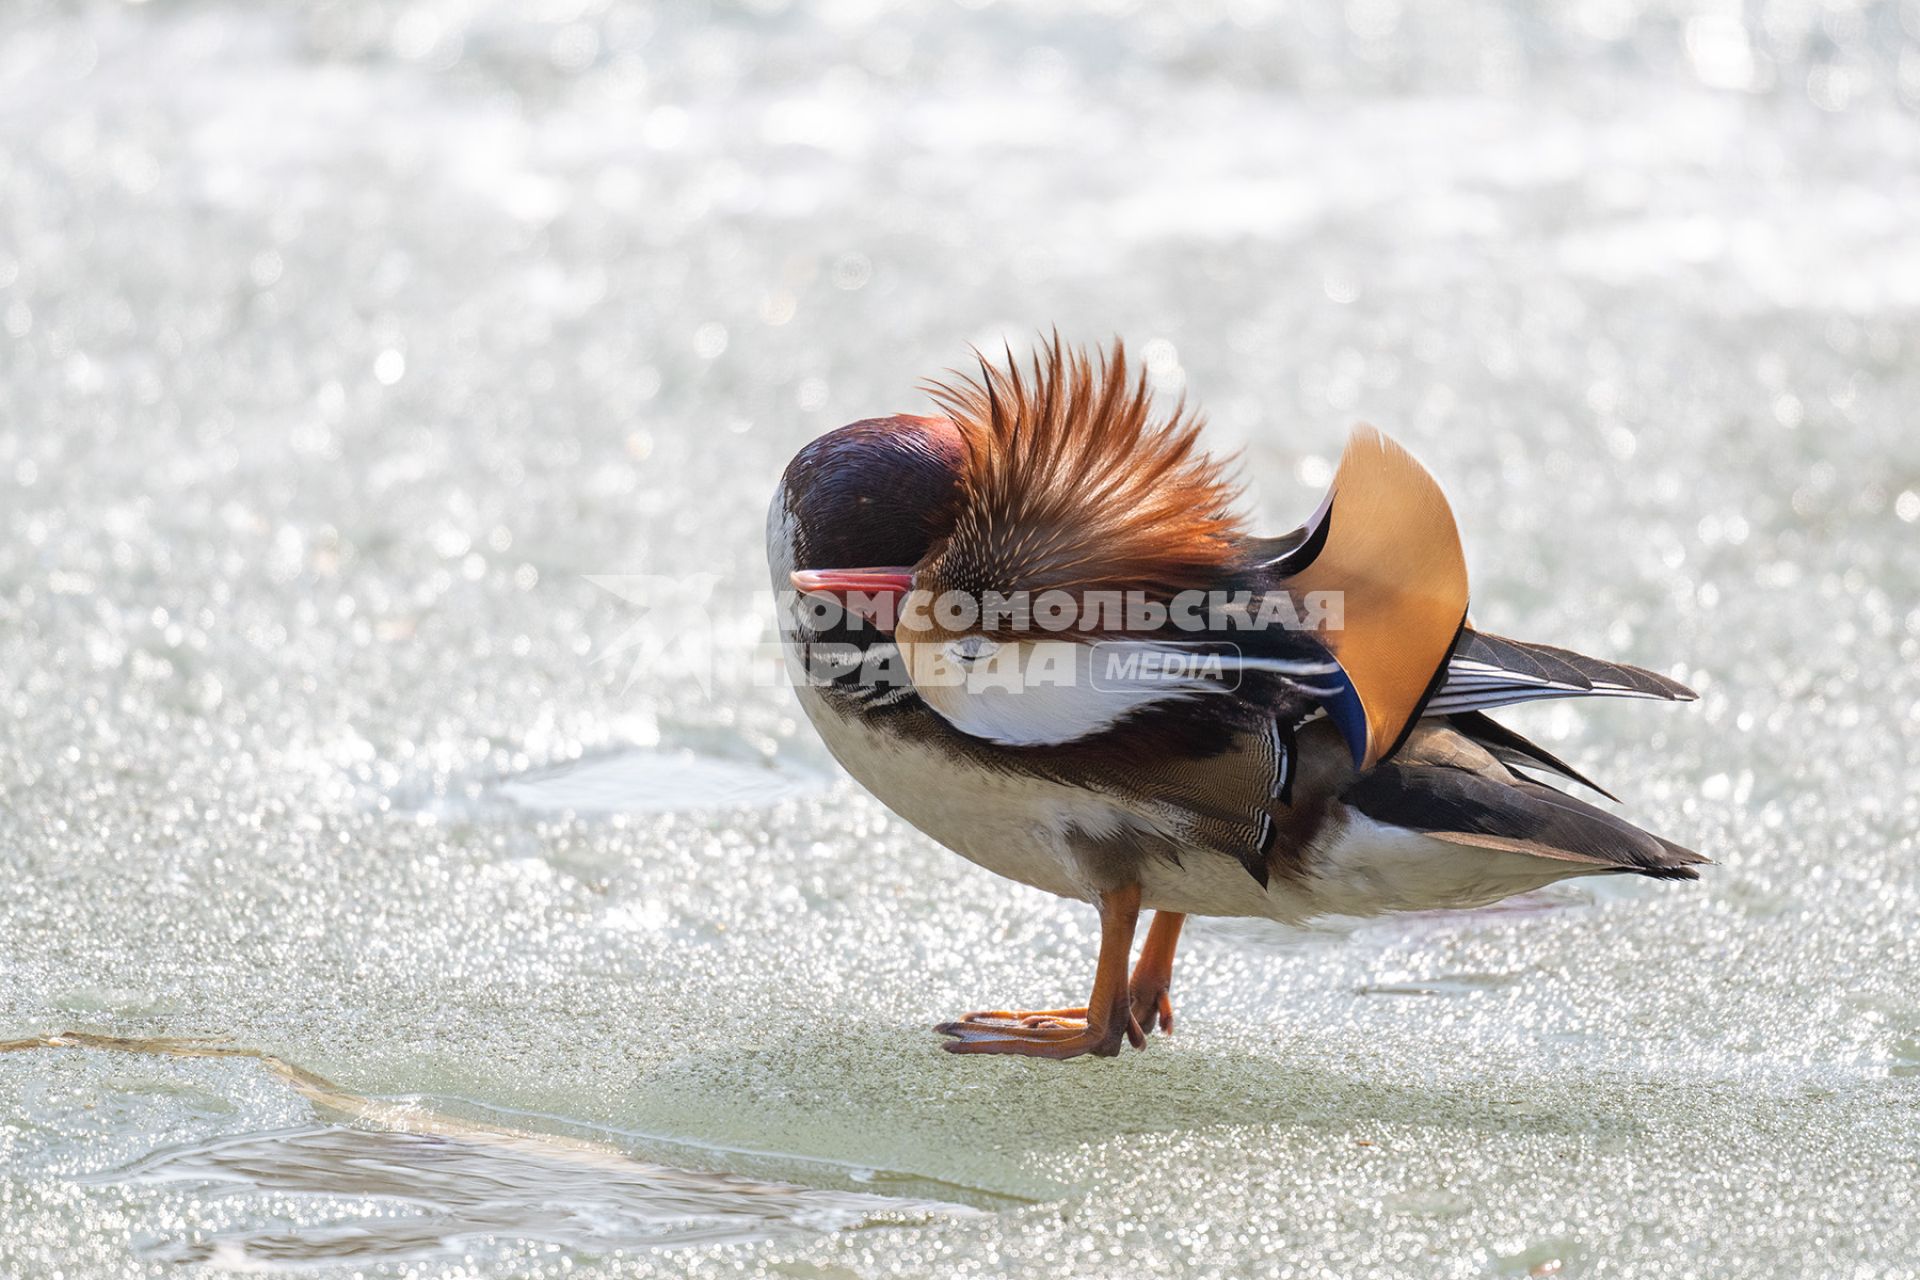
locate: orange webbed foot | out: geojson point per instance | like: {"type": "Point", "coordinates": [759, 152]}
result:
{"type": "Point", "coordinates": [1019, 1018]}
{"type": "Point", "coordinates": [1098, 1029]}
{"type": "Point", "coordinates": [1041, 1033]}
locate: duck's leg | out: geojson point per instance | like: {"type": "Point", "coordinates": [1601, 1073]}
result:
{"type": "Point", "coordinates": [1067, 1033]}
{"type": "Point", "coordinates": [1147, 991]}
{"type": "Point", "coordinates": [1153, 972]}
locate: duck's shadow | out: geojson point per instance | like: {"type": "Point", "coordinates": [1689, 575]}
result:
{"type": "Point", "coordinates": [885, 1098]}
{"type": "Point", "coordinates": [1009, 1113]}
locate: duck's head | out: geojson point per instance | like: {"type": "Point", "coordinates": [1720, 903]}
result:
{"type": "Point", "coordinates": [1013, 547]}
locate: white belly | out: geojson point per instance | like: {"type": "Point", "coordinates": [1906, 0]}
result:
{"type": "Point", "coordinates": [1012, 825]}
{"type": "Point", "coordinates": [1018, 827]}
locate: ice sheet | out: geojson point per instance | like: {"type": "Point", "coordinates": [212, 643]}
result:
{"type": "Point", "coordinates": [355, 360]}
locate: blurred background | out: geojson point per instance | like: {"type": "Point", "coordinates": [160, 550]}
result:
{"type": "Point", "coordinates": [362, 364]}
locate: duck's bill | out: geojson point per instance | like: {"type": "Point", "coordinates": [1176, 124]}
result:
{"type": "Point", "coordinates": [872, 594]}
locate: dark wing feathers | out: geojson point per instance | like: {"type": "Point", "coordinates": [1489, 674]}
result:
{"type": "Point", "coordinates": [1509, 748]}
{"type": "Point", "coordinates": [1491, 671]}
{"type": "Point", "coordinates": [1521, 816]}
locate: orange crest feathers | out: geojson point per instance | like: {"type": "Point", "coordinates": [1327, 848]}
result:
{"type": "Point", "coordinates": [1071, 483]}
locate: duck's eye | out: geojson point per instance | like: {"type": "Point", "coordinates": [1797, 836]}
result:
{"type": "Point", "coordinates": [970, 649]}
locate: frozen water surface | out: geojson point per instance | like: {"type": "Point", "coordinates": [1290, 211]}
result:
{"type": "Point", "coordinates": [353, 355]}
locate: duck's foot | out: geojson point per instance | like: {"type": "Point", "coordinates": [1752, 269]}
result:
{"type": "Point", "coordinates": [1017, 1018]}
{"type": "Point", "coordinates": [1150, 1006]}
{"type": "Point", "coordinates": [1042, 1033]}
{"type": "Point", "coordinates": [1099, 1028]}
{"type": "Point", "coordinates": [1153, 1006]}
{"type": "Point", "coordinates": [1148, 989]}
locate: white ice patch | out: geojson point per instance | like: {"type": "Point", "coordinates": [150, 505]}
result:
{"type": "Point", "coordinates": [656, 782]}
